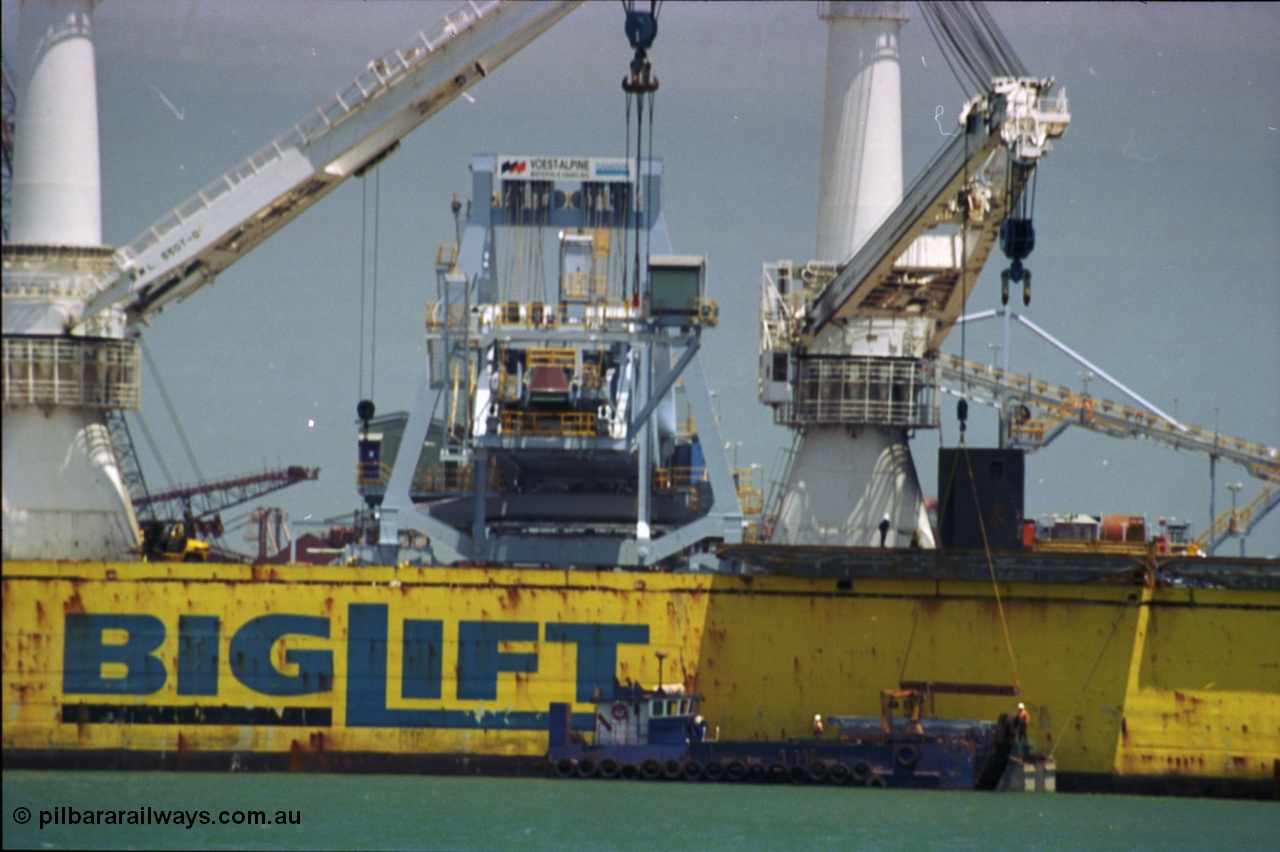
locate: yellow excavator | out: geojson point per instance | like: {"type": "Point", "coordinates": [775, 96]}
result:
{"type": "Point", "coordinates": [169, 542]}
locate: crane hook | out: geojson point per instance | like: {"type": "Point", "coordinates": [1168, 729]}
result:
{"type": "Point", "coordinates": [641, 29]}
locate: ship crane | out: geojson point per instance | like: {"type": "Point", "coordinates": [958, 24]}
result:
{"type": "Point", "coordinates": [208, 500]}
{"type": "Point", "coordinates": [845, 339]}
{"type": "Point", "coordinates": [910, 267]}
{"type": "Point", "coordinates": [176, 523]}
{"type": "Point", "coordinates": [69, 301]}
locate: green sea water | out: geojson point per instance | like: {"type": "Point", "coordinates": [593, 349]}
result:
{"type": "Point", "coordinates": [410, 812]}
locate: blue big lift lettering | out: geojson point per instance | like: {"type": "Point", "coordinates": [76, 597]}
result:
{"type": "Point", "coordinates": [480, 661]}
{"type": "Point", "coordinates": [86, 650]}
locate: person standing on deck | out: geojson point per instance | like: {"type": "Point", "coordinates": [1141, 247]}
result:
{"type": "Point", "coordinates": [1020, 721]}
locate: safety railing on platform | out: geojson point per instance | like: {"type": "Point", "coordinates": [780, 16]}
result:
{"type": "Point", "coordinates": [669, 478]}
{"type": "Point", "coordinates": [446, 256]}
{"type": "Point", "coordinates": [1237, 521]}
{"type": "Point", "coordinates": [689, 482]}
{"type": "Point", "coordinates": [750, 498]}
{"type": "Point", "coordinates": [73, 371]}
{"type": "Point", "coordinates": [580, 285]}
{"type": "Point", "coordinates": [860, 390]}
{"type": "Point", "coordinates": [548, 356]}
{"type": "Point", "coordinates": [540, 315]}
{"type": "Point", "coordinates": [568, 423]}
{"type": "Point", "coordinates": [372, 474]}
{"type": "Point", "coordinates": [440, 314]}
{"type": "Point", "coordinates": [434, 480]}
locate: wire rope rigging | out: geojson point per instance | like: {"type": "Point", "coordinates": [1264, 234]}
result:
{"type": "Point", "coordinates": [365, 408]}
{"type": "Point", "coordinates": [641, 28]}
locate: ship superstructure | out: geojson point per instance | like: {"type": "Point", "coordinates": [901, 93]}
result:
{"type": "Point", "coordinates": [563, 388]}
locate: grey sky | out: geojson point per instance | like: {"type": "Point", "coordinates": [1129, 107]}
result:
{"type": "Point", "coordinates": [1158, 251]}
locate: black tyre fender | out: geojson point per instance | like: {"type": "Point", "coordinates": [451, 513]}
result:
{"type": "Point", "coordinates": [818, 771]}
{"type": "Point", "coordinates": [609, 768]}
{"type": "Point", "coordinates": [838, 773]}
{"type": "Point", "coordinates": [651, 769]}
{"type": "Point", "coordinates": [714, 770]}
{"type": "Point", "coordinates": [861, 771]}
{"type": "Point", "coordinates": [564, 768]}
{"type": "Point", "coordinates": [693, 771]}
{"type": "Point", "coordinates": [673, 769]}
{"type": "Point", "coordinates": [586, 768]}
{"type": "Point", "coordinates": [735, 771]}
{"type": "Point", "coordinates": [906, 756]}
{"type": "Point", "coordinates": [877, 781]}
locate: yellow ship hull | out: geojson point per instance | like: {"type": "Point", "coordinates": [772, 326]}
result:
{"type": "Point", "coordinates": [453, 669]}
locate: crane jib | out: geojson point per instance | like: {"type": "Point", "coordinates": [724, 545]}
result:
{"type": "Point", "coordinates": [189, 247]}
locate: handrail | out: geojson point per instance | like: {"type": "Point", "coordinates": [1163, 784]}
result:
{"type": "Point", "coordinates": [380, 74]}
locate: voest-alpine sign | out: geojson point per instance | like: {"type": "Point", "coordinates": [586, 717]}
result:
{"type": "Point", "coordinates": [516, 167]}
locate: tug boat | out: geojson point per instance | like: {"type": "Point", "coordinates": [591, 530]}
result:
{"type": "Point", "coordinates": [659, 734]}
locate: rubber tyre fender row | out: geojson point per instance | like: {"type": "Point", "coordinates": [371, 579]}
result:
{"type": "Point", "coordinates": [860, 772]}
{"type": "Point", "coordinates": [797, 773]}
{"type": "Point", "coordinates": [673, 769]}
{"type": "Point", "coordinates": [586, 768]}
{"type": "Point", "coordinates": [838, 773]}
{"type": "Point", "coordinates": [651, 770]}
{"type": "Point", "coordinates": [564, 768]}
{"type": "Point", "coordinates": [693, 771]}
{"type": "Point", "coordinates": [714, 771]}
{"type": "Point", "coordinates": [817, 771]}
{"type": "Point", "coordinates": [629, 772]}
{"type": "Point", "coordinates": [778, 772]}
{"type": "Point", "coordinates": [906, 756]}
{"type": "Point", "coordinates": [735, 771]}
{"type": "Point", "coordinates": [609, 768]}
{"type": "Point", "coordinates": [877, 781]}
{"type": "Point", "coordinates": [757, 773]}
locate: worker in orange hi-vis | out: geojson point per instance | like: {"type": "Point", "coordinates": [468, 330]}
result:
{"type": "Point", "coordinates": [817, 726]}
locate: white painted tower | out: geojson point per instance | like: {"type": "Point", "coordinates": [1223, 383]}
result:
{"type": "Point", "coordinates": [63, 494]}
{"type": "Point", "coordinates": [847, 477]}
{"type": "Point", "coordinates": [861, 177]}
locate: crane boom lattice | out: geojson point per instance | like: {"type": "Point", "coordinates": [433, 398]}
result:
{"type": "Point", "coordinates": [198, 501]}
